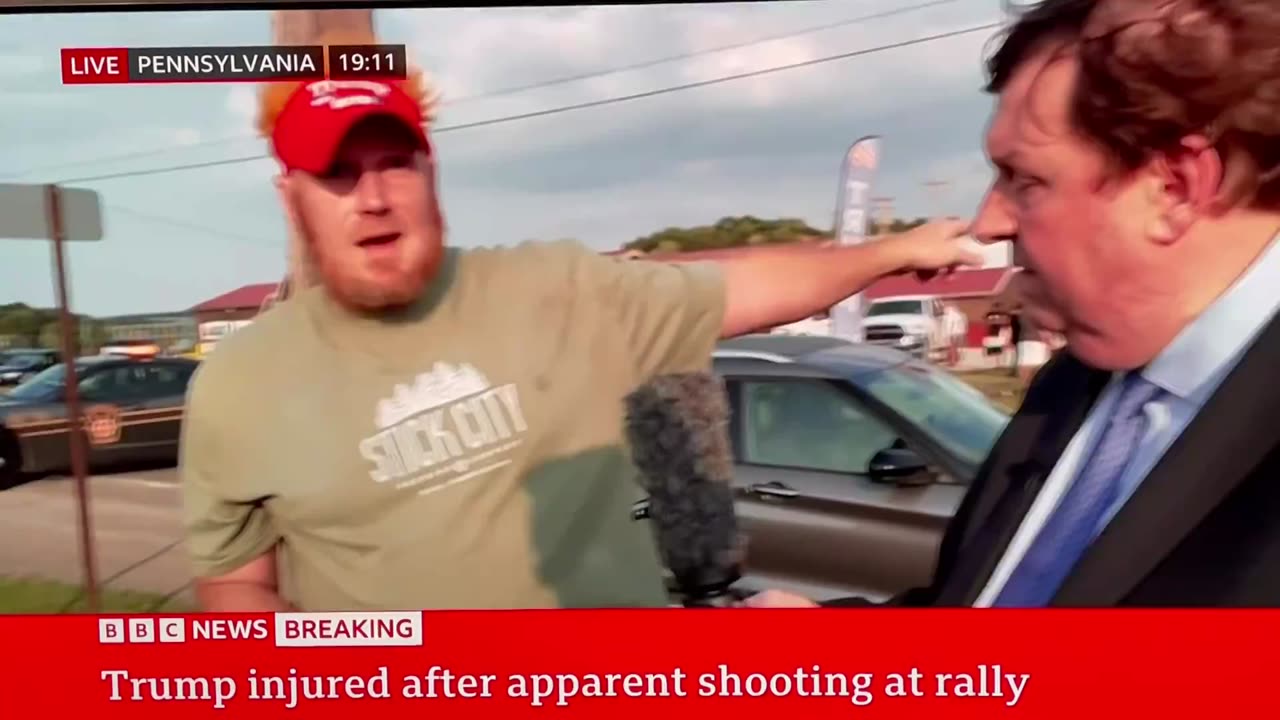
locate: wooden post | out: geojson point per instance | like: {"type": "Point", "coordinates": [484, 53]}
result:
{"type": "Point", "coordinates": [75, 418]}
{"type": "Point", "coordinates": [304, 27]}
{"type": "Point", "coordinates": [300, 27]}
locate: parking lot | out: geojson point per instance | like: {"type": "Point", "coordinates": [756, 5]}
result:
{"type": "Point", "coordinates": [136, 523]}
{"type": "Point", "coordinates": [135, 516]}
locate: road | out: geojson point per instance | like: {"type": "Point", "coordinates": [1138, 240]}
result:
{"type": "Point", "coordinates": [135, 518]}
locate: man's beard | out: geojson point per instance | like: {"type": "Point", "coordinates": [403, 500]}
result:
{"type": "Point", "coordinates": [372, 295]}
{"type": "Point", "coordinates": [363, 295]}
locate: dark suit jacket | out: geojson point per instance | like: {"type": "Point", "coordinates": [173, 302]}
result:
{"type": "Point", "coordinates": [1203, 530]}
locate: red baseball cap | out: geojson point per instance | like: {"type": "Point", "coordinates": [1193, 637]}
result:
{"type": "Point", "coordinates": [319, 115]}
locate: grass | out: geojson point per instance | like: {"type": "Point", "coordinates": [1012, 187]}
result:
{"type": "Point", "coordinates": [34, 596]}
{"type": "Point", "coordinates": [999, 387]}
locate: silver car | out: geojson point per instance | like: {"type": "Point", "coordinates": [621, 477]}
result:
{"type": "Point", "coordinates": [849, 461]}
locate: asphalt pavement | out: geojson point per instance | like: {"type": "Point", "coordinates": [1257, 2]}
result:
{"type": "Point", "coordinates": [136, 525]}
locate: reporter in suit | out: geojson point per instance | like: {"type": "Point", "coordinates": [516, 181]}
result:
{"type": "Point", "coordinates": [1137, 144]}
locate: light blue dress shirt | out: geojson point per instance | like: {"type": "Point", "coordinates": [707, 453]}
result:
{"type": "Point", "coordinates": [1189, 370]}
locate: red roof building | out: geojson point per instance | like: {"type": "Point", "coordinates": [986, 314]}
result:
{"type": "Point", "coordinates": [983, 283]}
{"type": "Point", "coordinates": [243, 303]}
{"type": "Point", "coordinates": [220, 316]}
{"type": "Point", "coordinates": [974, 292]}
{"type": "Point", "coordinates": [248, 296]}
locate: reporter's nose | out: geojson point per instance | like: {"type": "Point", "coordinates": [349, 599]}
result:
{"type": "Point", "coordinates": [994, 221]}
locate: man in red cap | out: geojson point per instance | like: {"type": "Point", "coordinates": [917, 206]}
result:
{"type": "Point", "coordinates": [433, 427]}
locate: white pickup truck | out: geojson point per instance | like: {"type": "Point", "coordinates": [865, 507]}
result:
{"type": "Point", "coordinates": [910, 323]}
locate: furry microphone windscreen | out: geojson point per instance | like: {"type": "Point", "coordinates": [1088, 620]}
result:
{"type": "Point", "coordinates": [677, 426]}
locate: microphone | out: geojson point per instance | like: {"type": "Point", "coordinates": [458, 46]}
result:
{"type": "Point", "coordinates": [677, 426]}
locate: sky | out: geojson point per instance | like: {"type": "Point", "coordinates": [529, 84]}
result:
{"type": "Point", "coordinates": [768, 145]}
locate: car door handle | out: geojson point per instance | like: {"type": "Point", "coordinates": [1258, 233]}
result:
{"type": "Point", "coordinates": [773, 489]}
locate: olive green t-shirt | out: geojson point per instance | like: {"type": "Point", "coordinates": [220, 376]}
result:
{"type": "Point", "coordinates": [467, 453]}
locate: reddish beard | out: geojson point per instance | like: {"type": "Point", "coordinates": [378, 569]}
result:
{"type": "Point", "coordinates": [368, 292]}
{"type": "Point", "coordinates": [383, 291]}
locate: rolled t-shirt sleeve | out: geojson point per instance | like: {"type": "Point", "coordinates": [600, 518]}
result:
{"type": "Point", "coordinates": [225, 526]}
{"type": "Point", "coordinates": [668, 315]}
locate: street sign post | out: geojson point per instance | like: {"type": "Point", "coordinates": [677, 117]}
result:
{"type": "Point", "coordinates": [58, 215]}
{"type": "Point", "coordinates": [24, 214]}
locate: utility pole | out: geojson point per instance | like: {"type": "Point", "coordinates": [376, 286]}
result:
{"type": "Point", "coordinates": [304, 27]}
{"type": "Point", "coordinates": [309, 27]}
{"type": "Point", "coordinates": [937, 191]}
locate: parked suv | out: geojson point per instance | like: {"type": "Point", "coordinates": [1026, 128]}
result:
{"type": "Point", "coordinates": [849, 461]}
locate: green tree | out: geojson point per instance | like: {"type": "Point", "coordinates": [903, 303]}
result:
{"type": "Point", "coordinates": [899, 224]}
{"type": "Point", "coordinates": [725, 233]}
{"type": "Point", "coordinates": [93, 335]}
{"type": "Point", "coordinates": [24, 326]}
{"type": "Point", "coordinates": [50, 336]}
{"type": "Point", "coordinates": [21, 323]}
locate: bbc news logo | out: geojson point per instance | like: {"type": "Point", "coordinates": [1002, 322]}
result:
{"type": "Point", "coordinates": [114, 631]}
{"type": "Point", "coordinates": [332, 629]}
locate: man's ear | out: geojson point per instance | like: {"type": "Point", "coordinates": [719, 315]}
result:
{"type": "Point", "coordinates": [281, 183]}
{"type": "Point", "coordinates": [301, 263]}
{"type": "Point", "coordinates": [1189, 179]}
{"type": "Point", "coordinates": [286, 191]}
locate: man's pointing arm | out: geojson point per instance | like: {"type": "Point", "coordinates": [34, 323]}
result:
{"type": "Point", "coordinates": [767, 287]}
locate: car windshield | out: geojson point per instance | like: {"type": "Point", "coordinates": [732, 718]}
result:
{"type": "Point", "coordinates": [895, 307]}
{"type": "Point", "coordinates": [951, 412]}
{"type": "Point", "coordinates": [43, 385]}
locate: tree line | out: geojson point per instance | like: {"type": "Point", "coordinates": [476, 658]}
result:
{"type": "Point", "coordinates": [25, 326]}
{"type": "Point", "coordinates": [746, 231]}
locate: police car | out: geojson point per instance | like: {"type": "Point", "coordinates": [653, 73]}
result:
{"type": "Point", "coordinates": [132, 407]}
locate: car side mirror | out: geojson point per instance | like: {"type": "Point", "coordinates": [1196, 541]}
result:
{"type": "Point", "coordinates": [899, 466]}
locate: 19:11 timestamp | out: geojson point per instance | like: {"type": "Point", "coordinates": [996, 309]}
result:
{"type": "Point", "coordinates": [366, 62]}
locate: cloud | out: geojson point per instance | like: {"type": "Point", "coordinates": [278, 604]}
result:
{"type": "Point", "coordinates": [966, 172]}
{"type": "Point", "coordinates": [186, 136]}
{"type": "Point", "coordinates": [655, 139]}
{"type": "Point", "coordinates": [15, 66]}
{"type": "Point", "coordinates": [516, 46]}
{"type": "Point", "coordinates": [241, 103]}
{"type": "Point", "coordinates": [37, 100]}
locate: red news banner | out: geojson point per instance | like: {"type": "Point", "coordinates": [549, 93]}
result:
{"type": "Point", "coordinates": [257, 63]}
{"type": "Point", "coordinates": [878, 663]}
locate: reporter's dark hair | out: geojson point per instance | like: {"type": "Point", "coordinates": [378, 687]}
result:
{"type": "Point", "coordinates": [1155, 71]}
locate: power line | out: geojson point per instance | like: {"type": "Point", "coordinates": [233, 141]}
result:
{"type": "Point", "coordinates": [696, 53]}
{"type": "Point", "coordinates": [131, 155]}
{"type": "Point", "coordinates": [160, 220]}
{"type": "Point", "coordinates": [167, 169]}
{"type": "Point", "coordinates": [713, 81]}
{"type": "Point", "coordinates": [523, 88]}
{"type": "Point", "coordinates": [937, 189]}
{"type": "Point", "coordinates": [591, 103]}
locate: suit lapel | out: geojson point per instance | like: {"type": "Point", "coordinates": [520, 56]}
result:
{"type": "Point", "coordinates": [1216, 452]}
{"type": "Point", "coordinates": [1012, 478]}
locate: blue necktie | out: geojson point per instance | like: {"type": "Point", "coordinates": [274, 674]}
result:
{"type": "Point", "coordinates": [1071, 527]}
